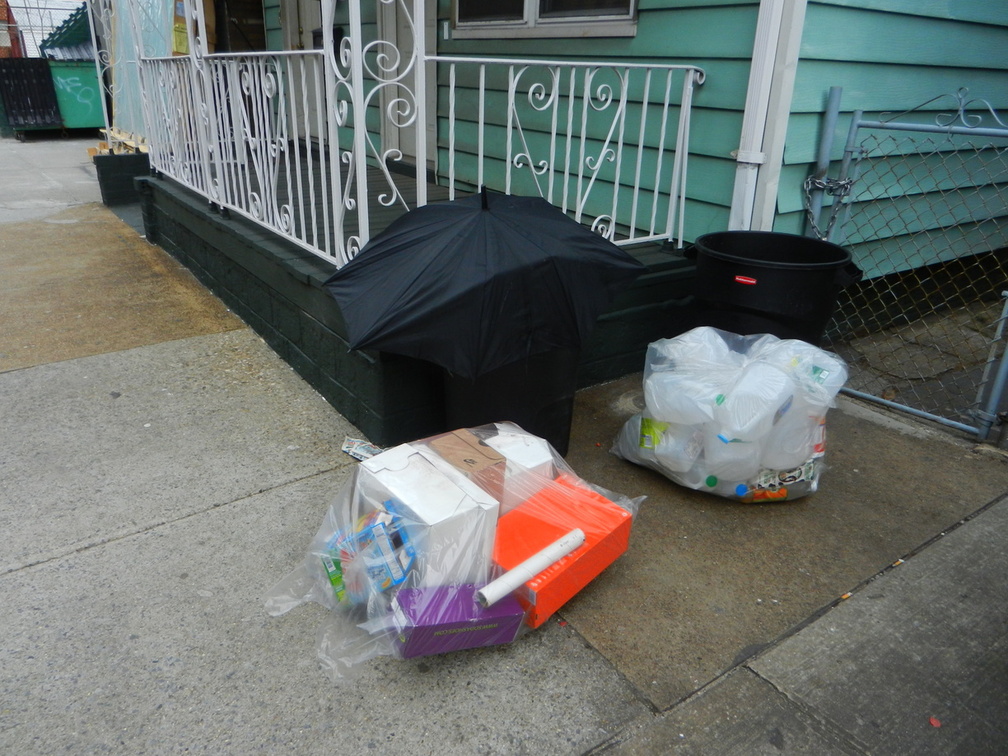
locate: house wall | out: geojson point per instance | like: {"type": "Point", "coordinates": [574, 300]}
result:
{"type": "Point", "coordinates": [716, 35]}
{"type": "Point", "coordinates": [888, 56]}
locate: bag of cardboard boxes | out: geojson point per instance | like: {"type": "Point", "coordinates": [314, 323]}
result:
{"type": "Point", "coordinates": [461, 540]}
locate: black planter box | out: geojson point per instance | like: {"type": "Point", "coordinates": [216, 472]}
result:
{"type": "Point", "coordinates": [116, 173]}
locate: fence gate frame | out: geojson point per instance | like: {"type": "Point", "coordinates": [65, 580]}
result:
{"type": "Point", "coordinates": [963, 121]}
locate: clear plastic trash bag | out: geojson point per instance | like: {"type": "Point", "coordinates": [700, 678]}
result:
{"type": "Point", "coordinates": [739, 416]}
{"type": "Point", "coordinates": [457, 541]}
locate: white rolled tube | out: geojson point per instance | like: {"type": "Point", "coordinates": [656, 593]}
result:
{"type": "Point", "coordinates": [507, 583]}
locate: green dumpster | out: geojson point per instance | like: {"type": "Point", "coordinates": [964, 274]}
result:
{"type": "Point", "coordinates": [77, 93]}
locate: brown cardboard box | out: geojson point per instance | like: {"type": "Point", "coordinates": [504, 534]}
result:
{"type": "Point", "coordinates": [483, 465]}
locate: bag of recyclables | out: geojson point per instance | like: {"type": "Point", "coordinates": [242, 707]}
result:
{"type": "Point", "coordinates": [742, 417]}
{"type": "Point", "coordinates": [461, 540]}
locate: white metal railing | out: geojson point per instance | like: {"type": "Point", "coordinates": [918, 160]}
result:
{"type": "Point", "coordinates": [607, 143]}
{"type": "Point", "coordinates": [122, 34]}
{"type": "Point", "coordinates": [284, 139]}
{"type": "Point", "coordinates": [250, 132]}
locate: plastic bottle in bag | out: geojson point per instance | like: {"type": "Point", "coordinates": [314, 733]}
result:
{"type": "Point", "coordinates": [686, 398]}
{"type": "Point", "coordinates": [728, 458]}
{"type": "Point", "coordinates": [629, 446]}
{"type": "Point", "coordinates": [795, 436]}
{"type": "Point", "coordinates": [696, 477]}
{"type": "Point", "coordinates": [701, 347]}
{"type": "Point", "coordinates": [675, 446]}
{"type": "Point", "coordinates": [818, 374]}
{"type": "Point", "coordinates": [821, 376]}
{"type": "Point", "coordinates": [749, 407]}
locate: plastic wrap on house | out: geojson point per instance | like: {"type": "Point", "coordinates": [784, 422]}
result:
{"type": "Point", "coordinates": [742, 417]}
{"type": "Point", "coordinates": [457, 541]}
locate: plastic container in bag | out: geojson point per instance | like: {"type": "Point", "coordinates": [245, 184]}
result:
{"type": "Point", "coordinates": [750, 425]}
{"type": "Point", "coordinates": [750, 406]}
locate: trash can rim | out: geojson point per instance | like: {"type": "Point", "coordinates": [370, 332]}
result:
{"type": "Point", "coordinates": [843, 255]}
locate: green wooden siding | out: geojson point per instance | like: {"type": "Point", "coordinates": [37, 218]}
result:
{"type": "Point", "coordinates": [891, 56]}
{"type": "Point", "coordinates": [716, 35]}
{"type": "Point", "coordinates": [978, 11]}
{"type": "Point", "coordinates": [888, 55]}
{"type": "Point", "coordinates": [272, 22]}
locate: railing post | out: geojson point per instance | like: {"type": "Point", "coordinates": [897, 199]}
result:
{"type": "Point", "coordinates": [199, 88]}
{"type": "Point", "coordinates": [359, 119]}
{"type": "Point", "coordinates": [142, 73]}
{"type": "Point", "coordinates": [420, 95]}
{"type": "Point", "coordinates": [839, 209]}
{"type": "Point", "coordinates": [823, 158]}
{"type": "Point", "coordinates": [677, 190]}
{"type": "Point", "coordinates": [98, 13]}
{"type": "Point", "coordinates": [329, 58]}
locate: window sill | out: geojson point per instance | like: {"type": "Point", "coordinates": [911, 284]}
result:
{"type": "Point", "coordinates": [583, 30]}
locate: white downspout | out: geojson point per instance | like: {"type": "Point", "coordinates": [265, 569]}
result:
{"type": "Point", "coordinates": [752, 153]}
{"type": "Point", "coordinates": [781, 96]}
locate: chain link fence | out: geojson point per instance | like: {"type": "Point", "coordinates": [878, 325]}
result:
{"type": "Point", "coordinates": [926, 217]}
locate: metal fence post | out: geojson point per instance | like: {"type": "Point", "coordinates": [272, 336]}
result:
{"type": "Point", "coordinates": [830, 119]}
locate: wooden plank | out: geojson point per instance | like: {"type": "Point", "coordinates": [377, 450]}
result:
{"type": "Point", "coordinates": [976, 11]}
{"type": "Point", "coordinates": [714, 130]}
{"type": "Point", "coordinates": [899, 253]}
{"type": "Point", "coordinates": [839, 33]}
{"type": "Point", "coordinates": [804, 129]}
{"type": "Point", "coordinates": [909, 175]}
{"type": "Point", "coordinates": [273, 25]}
{"type": "Point", "coordinates": [896, 216]}
{"type": "Point", "coordinates": [790, 223]}
{"type": "Point", "coordinates": [655, 169]}
{"type": "Point", "coordinates": [650, 5]}
{"type": "Point", "coordinates": [893, 88]}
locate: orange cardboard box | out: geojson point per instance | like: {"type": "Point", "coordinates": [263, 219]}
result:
{"type": "Point", "coordinates": [544, 518]}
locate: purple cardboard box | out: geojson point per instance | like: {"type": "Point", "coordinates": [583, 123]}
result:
{"type": "Point", "coordinates": [447, 618]}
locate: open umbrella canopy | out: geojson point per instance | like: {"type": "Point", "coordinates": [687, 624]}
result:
{"type": "Point", "coordinates": [481, 282]}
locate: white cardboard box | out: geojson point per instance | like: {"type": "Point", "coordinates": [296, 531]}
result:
{"type": "Point", "coordinates": [528, 457]}
{"type": "Point", "coordinates": [453, 520]}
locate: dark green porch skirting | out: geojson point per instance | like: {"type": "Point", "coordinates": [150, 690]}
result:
{"type": "Point", "coordinates": [276, 288]}
{"type": "Point", "coordinates": [116, 173]}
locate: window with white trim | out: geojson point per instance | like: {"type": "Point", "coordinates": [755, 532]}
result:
{"type": "Point", "coordinates": [545, 18]}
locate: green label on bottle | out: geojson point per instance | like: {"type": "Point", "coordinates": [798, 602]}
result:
{"type": "Point", "coordinates": [651, 432]}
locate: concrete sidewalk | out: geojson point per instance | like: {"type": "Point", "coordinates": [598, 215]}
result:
{"type": "Point", "coordinates": [161, 468]}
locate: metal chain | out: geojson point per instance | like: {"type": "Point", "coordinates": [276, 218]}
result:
{"type": "Point", "coordinates": [833, 187]}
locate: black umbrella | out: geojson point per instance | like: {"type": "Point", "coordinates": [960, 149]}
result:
{"type": "Point", "coordinates": [481, 282]}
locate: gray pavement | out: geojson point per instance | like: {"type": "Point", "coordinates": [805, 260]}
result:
{"type": "Point", "coordinates": [161, 468]}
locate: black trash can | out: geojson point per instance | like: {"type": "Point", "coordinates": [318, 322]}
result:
{"type": "Point", "coordinates": [536, 393]}
{"type": "Point", "coordinates": [766, 282]}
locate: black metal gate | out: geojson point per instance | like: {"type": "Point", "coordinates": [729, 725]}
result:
{"type": "Point", "coordinates": [29, 96]}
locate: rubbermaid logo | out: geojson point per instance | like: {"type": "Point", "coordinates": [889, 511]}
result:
{"type": "Point", "coordinates": [745, 280]}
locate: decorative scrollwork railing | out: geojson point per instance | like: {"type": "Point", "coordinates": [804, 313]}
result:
{"type": "Point", "coordinates": [606, 143]}
{"type": "Point", "coordinates": [312, 144]}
